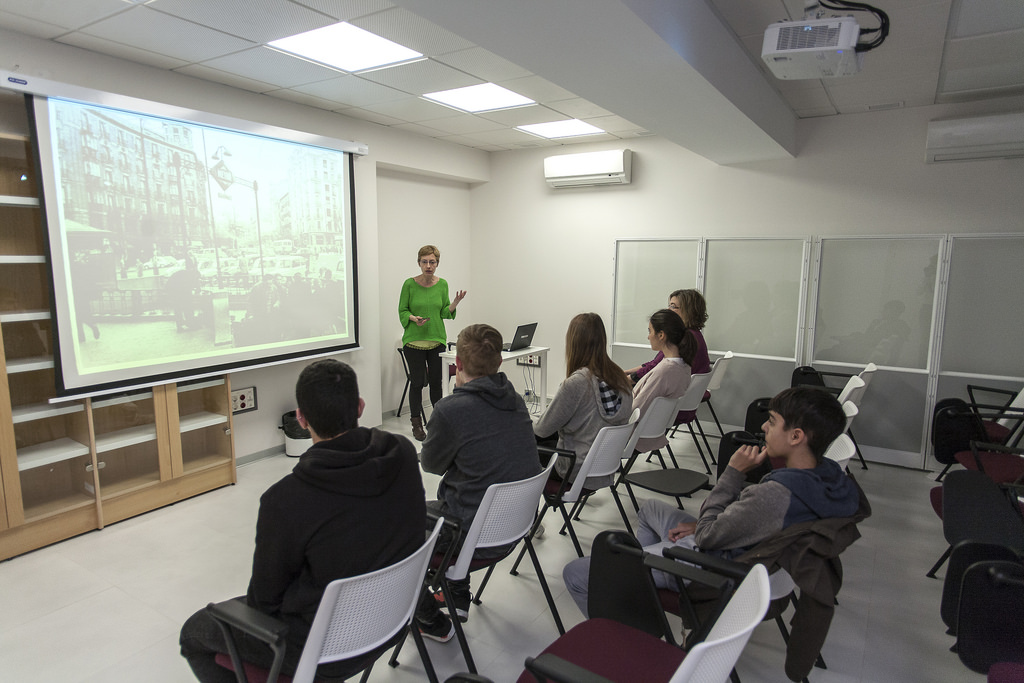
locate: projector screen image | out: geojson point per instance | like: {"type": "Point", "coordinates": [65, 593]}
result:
{"type": "Point", "coordinates": [180, 249]}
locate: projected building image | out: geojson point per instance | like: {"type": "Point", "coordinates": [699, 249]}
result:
{"type": "Point", "coordinates": [182, 241]}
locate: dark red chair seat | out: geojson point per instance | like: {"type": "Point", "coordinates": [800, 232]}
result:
{"type": "Point", "coordinates": [1006, 672]}
{"type": "Point", "coordinates": [995, 432]}
{"type": "Point", "coordinates": [254, 674]}
{"type": "Point", "coordinates": [1001, 468]}
{"type": "Point", "coordinates": [615, 651]}
{"type": "Point", "coordinates": [935, 495]}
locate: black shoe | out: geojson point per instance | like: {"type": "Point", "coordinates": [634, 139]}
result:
{"type": "Point", "coordinates": [461, 603]}
{"type": "Point", "coordinates": [440, 628]}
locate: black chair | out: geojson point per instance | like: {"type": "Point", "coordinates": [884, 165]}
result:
{"type": "Point", "coordinates": [964, 555]}
{"type": "Point", "coordinates": [603, 648]}
{"type": "Point", "coordinates": [989, 627]}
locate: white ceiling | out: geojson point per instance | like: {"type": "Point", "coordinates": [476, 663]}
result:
{"type": "Point", "coordinates": [686, 70]}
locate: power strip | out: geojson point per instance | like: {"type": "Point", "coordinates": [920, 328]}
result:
{"type": "Point", "coordinates": [243, 400]}
{"type": "Point", "coordinates": [530, 359]}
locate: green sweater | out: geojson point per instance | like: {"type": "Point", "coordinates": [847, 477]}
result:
{"type": "Point", "coordinates": [425, 302]}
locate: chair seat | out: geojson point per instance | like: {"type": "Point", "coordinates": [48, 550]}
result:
{"type": "Point", "coordinates": [615, 651]}
{"type": "Point", "coordinates": [670, 482]}
{"type": "Point", "coordinates": [1006, 672]}
{"type": "Point", "coordinates": [999, 467]}
{"type": "Point", "coordinates": [995, 432]}
{"type": "Point", "coordinates": [935, 496]}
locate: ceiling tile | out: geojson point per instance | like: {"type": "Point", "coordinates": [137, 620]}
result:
{"type": "Point", "coordinates": [70, 15]}
{"type": "Point", "coordinates": [149, 30]}
{"type": "Point", "coordinates": [257, 20]}
{"type": "Point", "coordinates": [405, 28]}
{"type": "Point", "coordinates": [578, 108]}
{"type": "Point", "coordinates": [353, 91]}
{"type": "Point", "coordinates": [467, 123]}
{"type": "Point", "coordinates": [421, 77]}
{"type": "Point", "coordinates": [995, 48]}
{"type": "Point", "coordinates": [30, 27]}
{"type": "Point", "coordinates": [303, 98]}
{"type": "Point", "coordinates": [484, 64]}
{"type": "Point", "coordinates": [521, 116]}
{"type": "Point", "coordinates": [271, 66]}
{"type": "Point", "coordinates": [420, 129]}
{"type": "Point", "coordinates": [984, 78]}
{"type": "Point", "coordinates": [344, 10]}
{"type": "Point", "coordinates": [974, 17]}
{"type": "Point", "coordinates": [537, 89]}
{"type": "Point", "coordinates": [372, 116]}
{"type": "Point", "coordinates": [615, 124]}
{"type": "Point", "coordinates": [855, 97]}
{"type": "Point", "coordinates": [132, 54]}
{"type": "Point", "coordinates": [218, 76]}
{"type": "Point", "coordinates": [412, 109]}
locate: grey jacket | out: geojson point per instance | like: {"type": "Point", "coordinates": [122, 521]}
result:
{"type": "Point", "coordinates": [577, 415]}
{"type": "Point", "coordinates": [478, 436]}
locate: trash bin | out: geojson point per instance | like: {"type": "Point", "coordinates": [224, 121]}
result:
{"type": "Point", "coordinates": [296, 438]}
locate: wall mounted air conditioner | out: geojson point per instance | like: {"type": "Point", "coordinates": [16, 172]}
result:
{"type": "Point", "coordinates": [997, 136]}
{"type": "Point", "coordinates": [610, 167]}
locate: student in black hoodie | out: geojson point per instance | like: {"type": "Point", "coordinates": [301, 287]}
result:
{"type": "Point", "coordinates": [353, 504]}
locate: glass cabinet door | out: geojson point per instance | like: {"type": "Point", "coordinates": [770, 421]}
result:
{"type": "Point", "coordinates": [127, 451]}
{"type": "Point", "coordinates": [204, 424]}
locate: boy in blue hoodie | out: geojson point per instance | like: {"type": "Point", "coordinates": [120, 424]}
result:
{"type": "Point", "coordinates": [802, 422]}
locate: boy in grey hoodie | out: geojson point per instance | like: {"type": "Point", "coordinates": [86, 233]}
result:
{"type": "Point", "coordinates": [802, 422]}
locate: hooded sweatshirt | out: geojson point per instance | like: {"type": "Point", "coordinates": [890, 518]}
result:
{"type": "Point", "coordinates": [734, 518]}
{"type": "Point", "coordinates": [577, 413]}
{"type": "Point", "coordinates": [479, 435]}
{"type": "Point", "coordinates": [353, 504]}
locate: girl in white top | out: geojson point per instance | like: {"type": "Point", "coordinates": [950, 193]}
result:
{"type": "Point", "coordinates": [671, 377]}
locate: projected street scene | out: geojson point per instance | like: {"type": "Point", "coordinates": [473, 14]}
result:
{"type": "Point", "coordinates": [182, 241]}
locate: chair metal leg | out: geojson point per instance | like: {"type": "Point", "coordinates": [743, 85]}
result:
{"type": "Point", "coordinates": [632, 498]}
{"type": "Point", "coordinates": [459, 632]}
{"type": "Point", "coordinates": [942, 560]}
{"type": "Point", "coordinates": [477, 597]}
{"type": "Point", "coordinates": [696, 443]}
{"type": "Point", "coordinates": [943, 472]}
{"type": "Point", "coordinates": [578, 508]}
{"type": "Point", "coordinates": [572, 532]}
{"type": "Point", "coordinates": [703, 436]}
{"type": "Point", "coordinates": [544, 586]}
{"type": "Point", "coordinates": [671, 455]}
{"type": "Point", "coordinates": [721, 432]}
{"type": "Point", "coordinates": [622, 511]}
{"type": "Point", "coordinates": [428, 665]}
{"type": "Point", "coordinates": [515, 567]}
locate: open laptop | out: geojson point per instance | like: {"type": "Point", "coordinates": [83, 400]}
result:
{"type": "Point", "coordinates": [522, 338]}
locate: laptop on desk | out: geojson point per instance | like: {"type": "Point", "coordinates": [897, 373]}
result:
{"type": "Point", "coordinates": [522, 338]}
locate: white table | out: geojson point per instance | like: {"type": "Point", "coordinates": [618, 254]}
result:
{"type": "Point", "coordinates": [448, 357]}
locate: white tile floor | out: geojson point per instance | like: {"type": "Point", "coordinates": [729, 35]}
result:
{"type": "Point", "coordinates": [106, 607]}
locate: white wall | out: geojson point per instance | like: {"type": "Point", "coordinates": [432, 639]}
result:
{"type": "Point", "coordinates": [414, 210]}
{"type": "Point", "coordinates": [257, 432]}
{"type": "Point", "coordinates": [855, 175]}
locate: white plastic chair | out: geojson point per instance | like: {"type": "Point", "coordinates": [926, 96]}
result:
{"type": "Point", "coordinates": [717, 375]}
{"type": "Point", "coordinates": [689, 402]}
{"type": "Point", "coordinates": [841, 450]}
{"type": "Point", "coordinates": [601, 463]}
{"type": "Point", "coordinates": [505, 516]}
{"type": "Point", "coordinates": [356, 615]}
{"type": "Point", "coordinates": [854, 391]}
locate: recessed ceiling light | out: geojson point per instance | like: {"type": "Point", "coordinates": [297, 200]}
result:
{"type": "Point", "coordinates": [482, 97]}
{"type": "Point", "coordinates": [347, 47]}
{"type": "Point", "coordinates": [561, 129]}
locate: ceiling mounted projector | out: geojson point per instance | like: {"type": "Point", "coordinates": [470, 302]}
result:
{"type": "Point", "coordinates": [814, 48]}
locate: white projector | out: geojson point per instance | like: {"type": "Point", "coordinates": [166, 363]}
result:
{"type": "Point", "coordinates": [816, 48]}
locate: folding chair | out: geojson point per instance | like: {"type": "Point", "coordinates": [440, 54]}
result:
{"type": "Point", "coordinates": [408, 380]}
{"type": "Point", "coordinates": [505, 516]}
{"type": "Point", "coordinates": [989, 629]}
{"type": "Point", "coordinates": [661, 413]}
{"type": "Point", "coordinates": [841, 450]}
{"type": "Point", "coordinates": [1005, 430]}
{"type": "Point", "coordinates": [604, 648]}
{"type": "Point", "coordinates": [964, 555]}
{"type": "Point", "coordinates": [686, 413]}
{"type": "Point", "coordinates": [359, 618]}
{"type": "Point", "coordinates": [602, 461]}
{"type": "Point", "coordinates": [717, 375]}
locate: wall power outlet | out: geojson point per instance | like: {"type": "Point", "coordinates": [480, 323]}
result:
{"type": "Point", "coordinates": [530, 359]}
{"type": "Point", "coordinates": [243, 400]}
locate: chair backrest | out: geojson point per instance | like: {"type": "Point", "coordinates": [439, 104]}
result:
{"type": "Point", "coordinates": [653, 423]}
{"type": "Point", "coordinates": [714, 658]}
{"type": "Point", "coordinates": [841, 450]}
{"type": "Point", "coordinates": [988, 625]}
{"type": "Point", "coordinates": [694, 393]}
{"type": "Point", "coordinates": [867, 373]}
{"type": "Point", "coordinates": [1011, 422]}
{"type": "Point", "coordinates": [718, 371]}
{"type": "Point", "coordinates": [360, 613]}
{"type": "Point", "coordinates": [619, 585]}
{"type": "Point", "coordinates": [506, 514]}
{"type": "Point", "coordinates": [850, 409]}
{"type": "Point", "coordinates": [853, 391]}
{"type": "Point", "coordinates": [954, 426]}
{"type": "Point", "coordinates": [603, 458]}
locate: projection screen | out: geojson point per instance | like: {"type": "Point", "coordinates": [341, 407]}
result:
{"type": "Point", "coordinates": [182, 249]}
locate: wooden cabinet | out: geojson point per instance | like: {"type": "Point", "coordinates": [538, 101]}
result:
{"type": "Point", "coordinates": [73, 466]}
